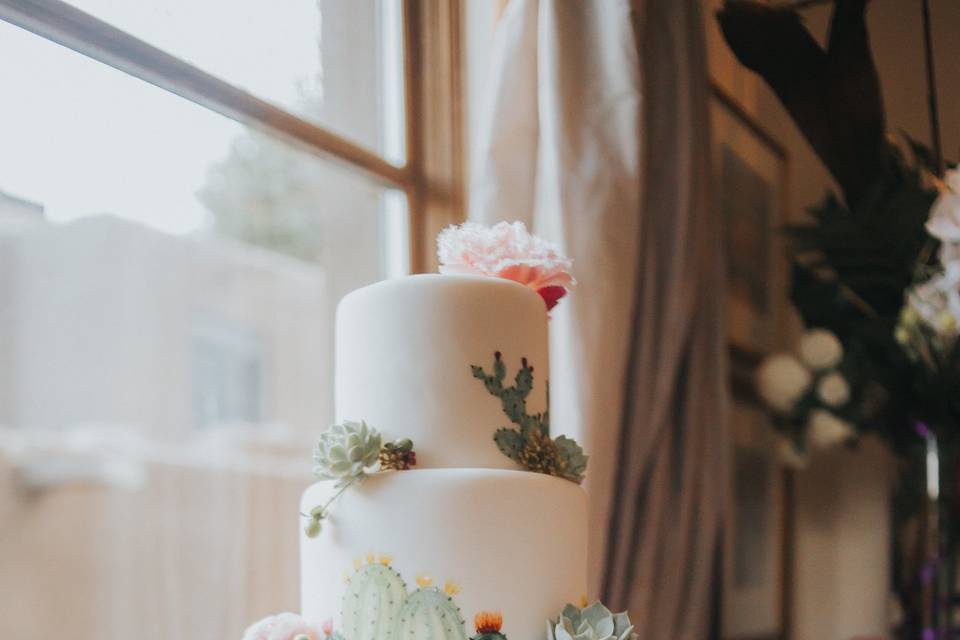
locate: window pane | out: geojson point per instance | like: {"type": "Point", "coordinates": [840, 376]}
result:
{"type": "Point", "coordinates": [168, 280]}
{"type": "Point", "coordinates": [157, 244]}
{"type": "Point", "coordinates": [335, 63]}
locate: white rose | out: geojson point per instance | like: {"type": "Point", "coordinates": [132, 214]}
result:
{"type": "Point", "coordinates": [936, 303]}
{"type": "Point", "coordinates": [826, 430]}
{"type": "Point", "coordinates": [790, 456]}
{"type": "Point", "coordinates": [833, 390]}
{"type": "Point", "coordinates": [781, 380]}
{"type": "Point", "coordinates": [820, 349]}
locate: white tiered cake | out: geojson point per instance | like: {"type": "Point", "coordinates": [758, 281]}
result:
{"type": "Point", "coordinates": [415, 358]}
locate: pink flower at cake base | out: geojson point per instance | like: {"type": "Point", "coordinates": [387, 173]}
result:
{"type": "Point", "coordinates": [283, 626]}
{"type": "Point", "coordinates": [506, 250]}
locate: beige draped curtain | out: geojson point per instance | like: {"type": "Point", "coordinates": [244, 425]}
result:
{"type": "Point", "coordinates": [595, 132]}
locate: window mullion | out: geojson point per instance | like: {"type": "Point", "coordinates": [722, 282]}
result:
{"type": "Point", "coordinates": [433, 63]}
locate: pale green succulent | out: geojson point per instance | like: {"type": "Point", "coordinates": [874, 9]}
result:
{"type": "Point", "coordinates": [345, 451]}
{"type": "Point", "coordinates": [594, 622]}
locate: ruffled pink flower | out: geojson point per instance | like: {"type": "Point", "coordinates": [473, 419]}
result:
{"type": "Point", "coordinates": [283, 626]}
{"type": "Point", "coordinates": [508, 251]}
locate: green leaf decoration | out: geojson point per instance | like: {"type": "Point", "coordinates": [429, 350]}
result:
{"type": "Point", "coordinates": [529, 443]}
{"type": "Point", "coordinates": [870, 251]}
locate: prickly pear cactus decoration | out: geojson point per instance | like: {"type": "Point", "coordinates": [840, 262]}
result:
{"type": "Point", "coordinates": [429, 614]}
{"type": "Point", "coordinates": [529, 442]}
{"type": "Point", "coordinates": [372, 602]}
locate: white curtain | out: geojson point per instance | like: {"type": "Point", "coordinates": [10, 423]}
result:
{"type": "Point", "coordinates": [595, 133]}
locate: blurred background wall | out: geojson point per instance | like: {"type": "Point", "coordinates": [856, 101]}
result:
{"type": "Point", "coordinates": [841, 528]}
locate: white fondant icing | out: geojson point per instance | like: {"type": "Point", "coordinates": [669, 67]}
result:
{"type": "Point", "coordinates": [514, 541]}
{"type": "Point", "coordinates": [403, 353]}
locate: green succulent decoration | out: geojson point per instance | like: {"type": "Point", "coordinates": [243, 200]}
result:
{"type": "Point", "coordinates": [594, 622]}
{"type": "Point", "coordinates": [529, 442]}
{"type": "Point", "coordinates": [346, 452]}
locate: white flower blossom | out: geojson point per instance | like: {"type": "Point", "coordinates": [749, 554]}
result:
{"type": "Point", "coordinates": [944, 221]}
{"type": "Point", "coordinates": [791, 456]}
{"type": "Point", "coordinates": [833, 390]}
{"type": "Point", "coordinates": [936, 303]}
{"type": "Point", "coordinates": [781, 381]}
{"type": "Point", "coordinates": [827, 430]}
{"type": "Point", "coordinates": [820, 349]}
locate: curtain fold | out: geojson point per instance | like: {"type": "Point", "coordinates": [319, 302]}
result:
{"type": "Point", "coordinates": [595, 132]}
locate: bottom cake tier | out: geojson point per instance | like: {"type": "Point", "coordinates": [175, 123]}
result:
{"type": "Point", "coordinates": [413, 554]}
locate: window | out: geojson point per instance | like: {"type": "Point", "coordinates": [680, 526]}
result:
{"type": "Point", "coordinates": [226, 371]}
{"type": "Point", "coordinates": [302, 194]}
{"type": "Point", "coordinates": [187, 189]}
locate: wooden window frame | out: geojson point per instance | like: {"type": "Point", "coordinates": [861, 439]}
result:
{"type": "Point", "coordinates": [432, 176]}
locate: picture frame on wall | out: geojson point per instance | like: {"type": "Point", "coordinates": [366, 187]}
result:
{"type": "Point", "coordinates": [750, 170]}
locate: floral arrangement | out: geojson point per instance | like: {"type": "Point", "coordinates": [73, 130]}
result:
{"type": "Point", "coordinates": [593, 622]}
{"type": "Point", "coordinates": [529, 443]}
{"type": "Point", "coordinates": [348, 452]}
{"type": "Point", "coordinates": [878, 284]}
{"type": "Point", "coordinates": [929, 322]}
{"type": "Point", "coordinates": [506, 250]}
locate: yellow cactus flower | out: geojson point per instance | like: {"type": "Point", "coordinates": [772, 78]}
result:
{"type": "Point", "coordinates": [583, 601]}
{"type": "Point", "coordinates": [386, 559]}
{"type": "Point", "coordinates": [424, 581]}
{"type": "Point", "coordinates": [371, 557]}
{"type": "Point", "coordinates": [357, 563]}
{"type": "Point", "coordinates": [451, 588]}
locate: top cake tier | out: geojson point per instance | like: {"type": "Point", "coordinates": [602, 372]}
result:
{"type": "Point", "coordinates": [404, 351]}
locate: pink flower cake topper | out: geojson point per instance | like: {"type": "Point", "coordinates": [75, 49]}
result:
{"type": "Point", "coordinates": [506, 250]}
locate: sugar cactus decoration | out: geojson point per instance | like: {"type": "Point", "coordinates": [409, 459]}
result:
{"type": "Point", "coordinates": [376, 606]}
{"type": "Point", "coordinates": [347, 452]}
{"type": "Point", "coordinates": [594, 622]}
{"type": "Point", "coordinates": [372, 601]}
{"type": "Point", "coordinates": [529, 442]}
{"type": "Point", "coordinates": [430, 614]}
{"type": "Point", "coordinates": [488, 626]}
